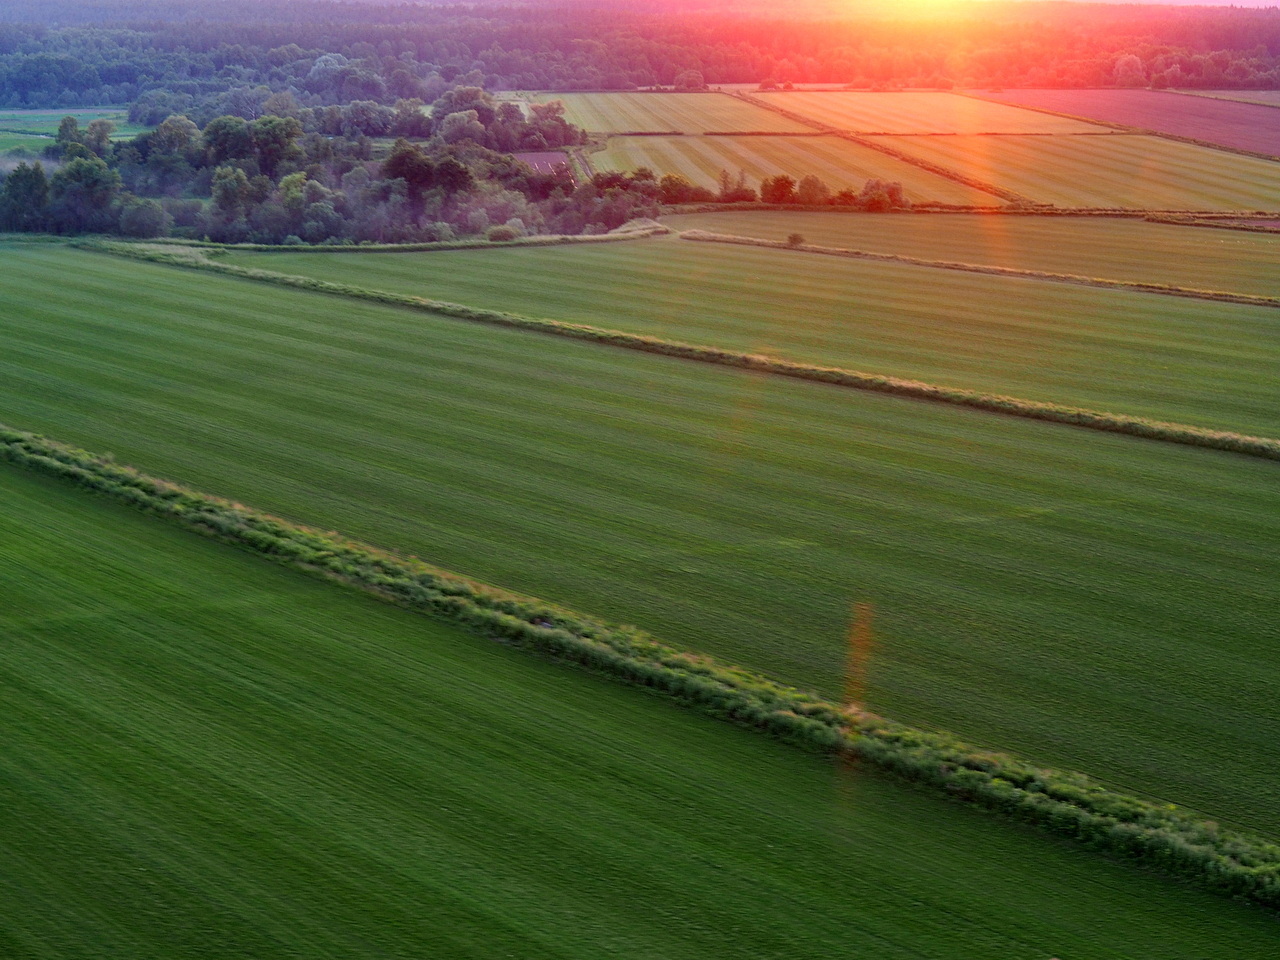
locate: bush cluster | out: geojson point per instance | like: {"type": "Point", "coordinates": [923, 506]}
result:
{"type": "Point", "coordinates": [1065, 803]}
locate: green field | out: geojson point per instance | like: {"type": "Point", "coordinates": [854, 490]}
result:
{"type": "Point", "coordinates": [920, 113]}
{"type": "Point", "coordinates": [1209, 364]}
{"type": "Point", "coordinates": [213, 757]}
{"type": "Point", "coordinates": [1133, 251]}
{"type": "Point", "coordinates": [839, 163]}
{"type": "Point", "coordinates": [45, 122]}
{"type": "Point", "coordinates": [1135, 172]}
{"type": "Point", "coordinates": [31, 143]}
{"type": "Point", "coordinates": [667, 112]}
{"type": "Point", "coordinates": [1086, 599]}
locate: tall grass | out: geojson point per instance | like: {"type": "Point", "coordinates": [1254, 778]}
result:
{"type": "Point", "coordinates": [1064, 803]}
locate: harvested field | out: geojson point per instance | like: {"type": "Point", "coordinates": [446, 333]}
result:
{"type": "Point", "coordinates": [1209, 364]}
{"type": "Point", "coordinates": [545, 161]}
{"type": "Point", "coordinates": [1083, 598]}
{"type": "Point", "coordinates": [669, 112]}
{"type": "Point", "coordinates": [837, 162]}
{"type": "Point", "coordinates": [1132, 172]}
{"type": "Point", "coordinates": [338, 777]}
{"type": "Point", "coordinates": [920, 113]}
{"type": "Point", "coordinates": [1132, 251]}
{"type": "Point", "coordinates": [1244, 126]}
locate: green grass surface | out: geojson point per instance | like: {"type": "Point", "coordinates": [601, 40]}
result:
{"type": "Point", "coordinates": [920, 113]}
{"type": "Point", "coordinates": [1129, 250]}
{"type": "Point", "coordinates": [1134, 172]}
{"type": "Point", "coordinates": [46, 122]}
{"type": "Point", "coordinates": [33, 144]}
{"type": "Point", "coordinates": [211, 757]}
{"type": "Point", "coordinates": [839, 163]}
{"type": "Point", "coordinates": [1088, 600]}
{"type": "Point", "coordinates": [1191, 361]}
{"type": "Point", "coordinates": [663, 112]}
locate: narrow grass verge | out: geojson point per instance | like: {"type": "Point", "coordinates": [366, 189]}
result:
{"type": "Point", "coordinates": [1266, 447]}
{"type": "Point", "coordinates": [1062, 802]}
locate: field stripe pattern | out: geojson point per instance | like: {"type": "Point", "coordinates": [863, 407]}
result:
{"type": "Point", "coordinates": [920, 113]}
{"type": "Point", "coordinates": [693, 113]}
{"type": "Point", "coordinates": [839, 163]}
{"type": "Point", "coordinates": [1128, 250]}
{"type": "Point", "coordinates": [212, 757]}
{"type": "Point", "coordinates": [1211, 365]}
{"type": "Point", "coordinates": [732, 514]}
{"type": "Point", "coordinates": [1121, 171]}
{"type": "Point", "coordinates": [1067, 803]}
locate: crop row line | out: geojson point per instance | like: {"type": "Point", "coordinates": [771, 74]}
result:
{"type": "Point", "coordinates": [926, 165]}
{"type": "Point", "coordinates": [1062, 802]}
{"type": "Point", "coordinates": [1266, 447]}
{"type": "Point", "coordinates": [1130, 129]}
{"type": "Point", "coordinates": [1166, 289]}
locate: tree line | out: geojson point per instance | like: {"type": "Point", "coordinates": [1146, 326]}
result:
{"type": "Point", "coordinates": [208, 60]}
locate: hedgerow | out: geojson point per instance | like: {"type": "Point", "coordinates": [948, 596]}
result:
{"type": "Point", "coordinates": [1266, 447]}
{"type": "Point", "coordinates": [1062, 802]}
{"type": "Point", "coordinates": [546, 240]}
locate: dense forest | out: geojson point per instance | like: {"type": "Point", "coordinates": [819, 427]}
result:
{"type": "Point", "coordinates": [265, 116]}
{"type": "Point", "coordinates": [201, 57]}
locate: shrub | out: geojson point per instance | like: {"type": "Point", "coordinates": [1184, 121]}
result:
{"type": "Point", "coordinates": [502, 233]}
{"type": "Point", "coordinates": [795, 239]}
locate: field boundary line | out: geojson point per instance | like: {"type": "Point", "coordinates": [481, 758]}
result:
{"type": "Point", "coordinates": [1229, 441]}
{"type": "Point", "coordinates": [1134, 131]}
{"type": "Point", "coordinates": [1062, 802]}
{"type": "Point", "coordinates": [941, 171]}
{"type": "Point", "coordinates": [541, 240]}
{"type": "Point", "coordinates": [1221, 296]}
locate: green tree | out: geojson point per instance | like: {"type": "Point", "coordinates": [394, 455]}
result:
{"type": "Point", "coordinates": [140, 217]}
{"type": "Point", "coordinates": [812, 191]}
{"type": "Point", "coordinates": [275, 140]}
{"type": "Point", "coordinates": [779, 189]}
{"type": "Point", "coordinates": [69, 131]}
{"type": "Point", "coordinates": [24, 199]}
{"type": "Point", "coordinates": [230, 191]}
{"type": "Point", "coordinates": [82, 194]}
{"type": "Point", "coordinates": [226, 138]}
{"type": "Point", "coordinates": [98, 137]}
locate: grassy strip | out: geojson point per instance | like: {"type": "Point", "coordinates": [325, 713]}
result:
{"type": "Point", "coordinates": [1162, 288]}
{"type": "Point", "coordinates": [549, 240]}
{"type": "Point", "coordinates": [1216, 224]}
{"type": "Point", "coordinates": [941, 171]}
{"type": "Point", "coordinates": [1065, 803]}
{"type": "Point", "coordinates": [1265, 447]}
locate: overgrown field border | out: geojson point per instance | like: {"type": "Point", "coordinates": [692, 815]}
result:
{"type": "Point", "coordinates": [1265, 447]}
{"type": "Point", "coordinates": [1064, 803]}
